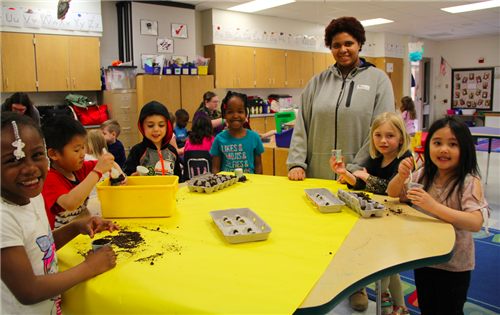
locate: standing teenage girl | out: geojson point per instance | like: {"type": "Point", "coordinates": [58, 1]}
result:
{"type": "Point", "coordinates": [31, 283]}
{"type": "Point", "coordinates": [237, 147]}
{"type": "Point", "coordinates": [452, 192]}
{"type": "Point", "coordinates": [409, 114]}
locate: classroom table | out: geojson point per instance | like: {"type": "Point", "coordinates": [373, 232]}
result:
{"type": "Point", "coordinates": [486, 132]}
{"type": "Point", "coordinates": [312, 282]}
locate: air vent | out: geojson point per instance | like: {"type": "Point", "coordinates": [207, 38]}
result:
{"type": "Point", "coordinates": [439, 34]}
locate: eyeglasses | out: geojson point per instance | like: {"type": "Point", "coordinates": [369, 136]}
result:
{"type": "Point", "coordinates": [19, 109]}
{"type": "Point", "coordinates": [214, 102]}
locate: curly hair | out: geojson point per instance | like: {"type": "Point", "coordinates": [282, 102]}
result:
{"type": "Point", "coordinates": [408, 105]}
{"type": "Point", "coordinates": [349, 25]}
{"type": "Point", "coordinates": [230, 95]}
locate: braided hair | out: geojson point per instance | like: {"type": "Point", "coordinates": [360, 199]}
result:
{"type": "Point", "coordinates": [230, 95]}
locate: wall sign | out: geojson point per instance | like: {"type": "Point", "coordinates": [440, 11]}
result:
{"type": "Point", "coordinates": [149, 27]}
{"type": "Point", "coordinates": [472, 88]}
{"type": "Point", "coordinates": [179, 30]}
{"type": "Point", "coordinates": [165, 45]}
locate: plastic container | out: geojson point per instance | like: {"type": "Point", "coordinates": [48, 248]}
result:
{"type": "Point", "coordinates": [121, 77]}
{"type": "Point", "coordinates": [193, 71]}
{"type": "Point", "coordinates": [185, 71]}
{"type": "Point", "coordinates": [450, 111]}
{"type": "Point", "coordinates": [283, 139]}
{"type": "Point", "coordinates": [168, 71]}
{"type": "Point", "coordinates": [142, 197]}
{"type": "Point", "coordinates": [324, 200]}
{"type": "Point", "coordinates": [365, 208]}
{"type": "Point", "coordinates": [283, 118]}
{"type": "Point", "coordinates": [241, 225]}
{"type": "Point", "coordinates": [203, 70]}
{"type": "Point", "coordinates": [468, 111]}
{"type": "Point", "coordinates": [198, 183]}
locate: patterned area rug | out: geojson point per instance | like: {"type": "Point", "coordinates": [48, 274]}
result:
{"type": "Point", "coordinates": [482, 145]}
{"type": "Point", "coordinates": [482, 298]}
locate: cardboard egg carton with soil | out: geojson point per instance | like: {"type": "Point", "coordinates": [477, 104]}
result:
{"type": "Point", "coordinates": [241, 225]}
{"type": "Point", "coordinates": [361, 203]}
{"type": "Point", "coordinates": [324, 200]}
{"type": "Point", "coordinates": [209, 183]}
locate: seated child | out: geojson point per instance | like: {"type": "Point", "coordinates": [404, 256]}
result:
{"type": "Point", "coordinates": [31, 283]}
{"type": "Point", "coordinates": [111, 130]}
{"type": "Point", "coordinates": [173, 141]}
{"type": "Point", "coordinates": [70, 179]}
{"type": "Point", "coordinates": [200, 137]}
{"type": "Point", "coordinates": [94, 145]}
{"type": "Point", "coordinates": [236, 147]}
{"type": "Point", "coordinates": [180, 130]}
{"type": "Point", "coordinates": [154, 152]}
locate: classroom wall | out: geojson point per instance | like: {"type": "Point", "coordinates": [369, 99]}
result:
{"type": "Point", "coordinates": [109, 40]}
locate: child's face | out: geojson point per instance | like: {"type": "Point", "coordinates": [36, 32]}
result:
{"type": "Point", "coordinates": [444, 149]}
{"type": "Point", "coordinates": [109, 136]}
{"type": "Point", "coordinates": [387, 139]}
{"type": "Point", "coordinates": [235, 113]}
{"type": "Point", "coordinates": [182, 121]}
{"type": "Point", "coordinates": [23, 179]}
{"type": "Point", "coordinates": [155, 128]}
{"type": "Point", "coordinates": [72, 156]}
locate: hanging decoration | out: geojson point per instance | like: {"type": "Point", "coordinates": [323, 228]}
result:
{"type": "Point", "coordinates": [416, 51]}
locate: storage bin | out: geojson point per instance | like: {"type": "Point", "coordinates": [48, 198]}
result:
{"type": "Point", "coordinates": [283, 139]}
{"type": "Point", "coordinates": [185, 71]}
{"type": "Point", "coordinates": [193, 71]}
{"type": "Point", "coordinates": [168, 71]}
{"type": "Point", "coordinates": [450, 111]}
{"type": "Point", "coordinates": [468, 111]}
{"type": "Point", "coordinates": [177, 71]}
{"type": "Point", "coordinates": [203, 70]}
{"type": "Point", "coordinates": [283, 118]}
{"type": "Point", "coordinates": [121, 77]}
{"type": "Point", "coordinates": [143, 197]}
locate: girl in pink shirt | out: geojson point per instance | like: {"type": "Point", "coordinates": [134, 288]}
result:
{"type": "Point", "coordinates": [409, 114]}
{"type": "Point", "coordinates": [200, 137]}
{"type": "Point", "coordinates": [453, 193]}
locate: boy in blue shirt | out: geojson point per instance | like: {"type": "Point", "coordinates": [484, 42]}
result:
{"type": "Point", "coordinates": [111, 130]}
{"type": "Point", "coordinates": [180, 130]}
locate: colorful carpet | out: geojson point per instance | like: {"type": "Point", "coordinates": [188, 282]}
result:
{"type": "Point", "coordinates": [482, 298]}
{"type": "Point", "coordinates": [482, 145]}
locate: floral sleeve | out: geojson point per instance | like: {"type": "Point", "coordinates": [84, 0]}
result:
{"type": "Point", "coordinates": [376, 184]}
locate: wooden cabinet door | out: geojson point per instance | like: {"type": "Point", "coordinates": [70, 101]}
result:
{"type": "Point", "coordinates": [258, 124]}
{"type": "Point", "coordinates": [192, 90]}
{"type": "Point", "coordinates": [319, 63]}
{"type": "Point", "coordinates": [330, 60]}
{"type": "Point", "coordinates": [293, 69]}
{"type": "Point", "coordinates": [52, 62]}
{"type": "Point", "coordinates": [278, 68]}
{"type": "Point", "coordinates": [263, 67]}
{"type": "Point", "coordinates": [270, 123]}
{"type": "Point", "coordinates": [225, 72]}
{"type": "Point", "coordinates": [245, 67]}
{"type": "Point", "coordinates": [306, 67]}
{"type": "Point", "coordinates": [18, 62]}
{"type": "Point", "coordinates": [84, 63]}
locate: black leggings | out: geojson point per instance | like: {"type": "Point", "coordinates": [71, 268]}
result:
{"type": "Point", "coordinates": [441, 292]}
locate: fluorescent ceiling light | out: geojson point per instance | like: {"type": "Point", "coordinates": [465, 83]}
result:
{"type": "Point", "coordinates": [375, 22]}
{"type": "Point", "coordinates": [473, 6]}
{"type": "Point", "coordinates": [258, 5]}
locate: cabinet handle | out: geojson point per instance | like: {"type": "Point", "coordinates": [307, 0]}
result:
{"type": "Point", "coordinates": [74, 82]}
{"type": "Point", "coordinates": [273, 81]}
{"type": "Point", "coordinates": [67, 82]}
{"type": "Point", "coordinates": [239, 82]}
{"type": "Point", "coordinates": [125, 107]}
{"type": "Point", "coordinates": [7, 81]}
{"type": "Point", "coordinates": [126, 128]}
{"type": "Point", "coordinates": [269, 81]}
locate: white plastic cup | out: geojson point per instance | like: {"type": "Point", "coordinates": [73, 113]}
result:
{"type": "Point", "coordinates": [98, 246]}
{"type": "Point", "coordinates": [143, 171]}
{"type": "Point", "coordinates": [238, 172]}
{"type": "Point", "coordinates": [416, 185]}
{"type": "Point", "coordinates": [337, 154]}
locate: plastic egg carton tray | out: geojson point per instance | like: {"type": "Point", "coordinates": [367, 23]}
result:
{"type": "Point", "coordinates": [324, 200]}
{"type": "Point", "coordinates": [366, 207]}
{"type": "Point", "coordinates": [209, 183]}
{"type": "Point", "coordinates": [241, 225]}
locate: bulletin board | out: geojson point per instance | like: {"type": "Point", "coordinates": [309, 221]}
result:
{"type": "Point", "coordinates": [473, 88]}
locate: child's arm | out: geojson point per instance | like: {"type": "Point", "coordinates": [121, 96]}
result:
{"type": "Point", "coordinates": [216, 164]}
{"type": "Point", "coordinates": [258, 164]}
{"type": "Point", "coordinates": [73, 199]}
{"type": "Point", "coordinates": [339, 168]}
{"type": "Point", "coordinates": [470, 221]}
{"type": "Point", "coordinates": [396, 184]}
{"type": "Point", "coordinates": [28, 288]}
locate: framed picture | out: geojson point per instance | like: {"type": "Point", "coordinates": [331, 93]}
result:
{"type": "Point", "coordinates": [179, 30]}
{"type": "Point", "coordinates": [149, 27]}
{"type": "Point", "coordinates": [165, 45]}
{"type": "Point", "coordinates": [179, 59]}
{"type": "Point", "coordinates": [473, 88]}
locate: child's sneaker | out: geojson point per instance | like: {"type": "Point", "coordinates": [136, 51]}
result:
{"type": "Point", "coordinates": [386, 304]}
{"type": "Point", "coordinates": [400, 310]}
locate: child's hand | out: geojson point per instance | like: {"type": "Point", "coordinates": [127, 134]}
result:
{"type": "Point", "coordinates": [135, 174]}
{"type": "Point", "coordinates": [341, 180]}
{"type": "Point", "coordinates": [94, 225]}
{"type": "Point", "coordinates": [105, 163]}
{"type": "Point", "coordinates": [125, 181]}
{"type": "Point", "coordinates": [421, 198]}
{"type": "Point", "coordinates": [363, 175]}
{"type": "Point", "coordinates": [297, 173]}
{"type": "Point", "coordinates": [102, 260]}
{"type": "Point", "coordinates": [405, 167]}
{"type": "Point", "coordinates": [338, 167]}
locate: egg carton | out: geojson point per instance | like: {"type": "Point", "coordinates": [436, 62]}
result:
{"type": "Point", "coordinates": [324, 200]}
{"type": "Point", "coordinates": [241, 225]}
{"type": "Point", "coordinates": [365, 208]}
{"type": "Point", "coordinates": [209, 183]}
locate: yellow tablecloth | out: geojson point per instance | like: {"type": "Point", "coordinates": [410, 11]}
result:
{"type": "Point", "coordinates": [196, 271]}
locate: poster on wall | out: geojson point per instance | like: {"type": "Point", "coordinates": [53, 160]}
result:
{"type": "Point", "coordinates": [165, 45]}
{"type": "Point", "coordinates": [472, 88]}
{"type": "Point", "coordinates": [149, 27]}
{"type": "Point", "coordinates": [179, 30]}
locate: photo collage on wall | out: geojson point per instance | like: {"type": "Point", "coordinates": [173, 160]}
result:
{"type": "Point", "coordinates": [472, 88]}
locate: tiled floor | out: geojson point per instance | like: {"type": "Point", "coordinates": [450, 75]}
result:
{"type": "Point", "coordinates": [492, 194]}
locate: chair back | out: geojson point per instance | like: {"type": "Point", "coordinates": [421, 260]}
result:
{"type": "Point", "coordinates": [196, 162]}
{"type": "Point", "coordinates": [418, 139]}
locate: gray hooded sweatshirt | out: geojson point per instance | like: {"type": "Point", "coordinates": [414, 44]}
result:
{"type": "Point", "coordinates": [337, 113]}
